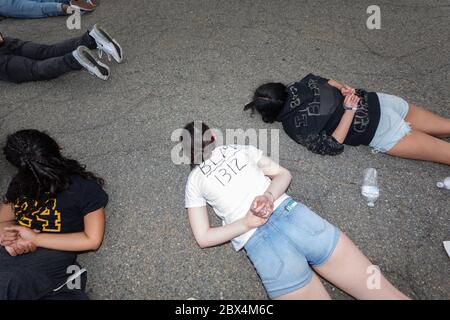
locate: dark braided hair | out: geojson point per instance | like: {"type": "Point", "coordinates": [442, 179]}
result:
{"type": "Point", "coordinates": [268, 101]}
{"type": "Point", "coordinates": [42, 168]}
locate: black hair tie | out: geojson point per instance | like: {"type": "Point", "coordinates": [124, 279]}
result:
{"type": "Point", "coordinates": [250, 105]}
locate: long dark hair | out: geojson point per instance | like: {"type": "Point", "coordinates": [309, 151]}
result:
{"type": "Point", "coordinates": [196, 149]}
{"type": "Point", "coordinates": [42, 168]}
{"type": "Point", "coordinates": [268, 101]}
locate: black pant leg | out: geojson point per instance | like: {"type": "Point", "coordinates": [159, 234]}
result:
{"type": "Point", "coordinates": [35, 275]}
{"type": "Point", "coordinates": [20, 69]}
{"type": "Point", "coordinates": [24, 284]}
{"type": "Point", "coordinates": [37, 51]}
{"type": "Point", "coordinates": [67, 294]}
{"type": "Point", "coordinates": [19, 279]}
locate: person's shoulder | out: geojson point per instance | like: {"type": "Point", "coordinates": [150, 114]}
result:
{"type": "Point", "coordinates": [311, 76]}
{"type": "Point", "coordinates": [79, 182]}
{"type": "Point", "coordinates": [193, 175]}
{"type": "Point", "coordinates": [299, 84]}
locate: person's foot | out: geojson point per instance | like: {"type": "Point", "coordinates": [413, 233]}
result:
{"type": "Point", "coordinates": [106, 43]}
{"type": "Point", "coordinates": [85, 5]}
{"type": "Point", "coordinates": [87, 60]}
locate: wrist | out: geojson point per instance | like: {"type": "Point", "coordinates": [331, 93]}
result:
{"type": "Point", "coordinates": [269, 195]}
{"type": "Point", "coordinates": [350, 109]}
{"type": "Point", "coordinates": [245, 224]}
{"type": "Point", "coordinates": [36, 240]}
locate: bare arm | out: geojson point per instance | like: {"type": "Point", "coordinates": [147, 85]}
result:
{"type": "Point", "coordinates": [7, 217]}
{"type": "Point", "coordinates": [90, 239]}
{"type": "Point", "coordinates": [6, 213]}
{"type": "Point", "coordinates": [342, 129]}
{"type": "Point", "coordinates": [281, 177]}
{"type": "Point", "coordinates": [343, 88]}
{"type": "Point", "coordinates": [341, 132]}
{"type": "Point", "coordinates": [207, 236]}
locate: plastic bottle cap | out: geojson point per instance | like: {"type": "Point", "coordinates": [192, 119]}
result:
{"type": "Point", "coordinates": [440, 184]}
{"type": "Point", "coordinates": [371, 204]}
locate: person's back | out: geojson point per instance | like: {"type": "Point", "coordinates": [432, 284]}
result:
{"type": "Point", "coordinates": [229, 181]}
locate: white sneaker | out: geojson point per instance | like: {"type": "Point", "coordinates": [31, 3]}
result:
{"type": "Point", "coordinates": [106, 43]}
{"type": "Point", "coordinates": [84, 5]}
{"type": "Point", "coordinates": [447, 247]}
{"type": "Point", "coordinates": [86, 59]}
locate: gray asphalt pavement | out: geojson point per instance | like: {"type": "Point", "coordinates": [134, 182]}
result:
{"type": "Point", "coordinates": [200, 60]}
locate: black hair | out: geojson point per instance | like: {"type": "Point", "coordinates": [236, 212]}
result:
{"type": "Point", "coordinates": [268, 101]}
{"type": "Point", "coordinates": [41, 167]}
{"type": "Point", "coordinates": [198, 151]}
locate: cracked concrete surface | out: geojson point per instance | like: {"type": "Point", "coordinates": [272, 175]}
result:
{"type": "Point", "coordinates": [200, 60]}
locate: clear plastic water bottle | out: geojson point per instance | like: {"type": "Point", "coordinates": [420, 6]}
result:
{"type": "Point", "coordinates": [369, 189]}
{"type": "Point", "coordinates": [444, 184]}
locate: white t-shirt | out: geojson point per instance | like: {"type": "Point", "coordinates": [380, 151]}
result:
{"type": "Point", "coordinates": [229, 181]}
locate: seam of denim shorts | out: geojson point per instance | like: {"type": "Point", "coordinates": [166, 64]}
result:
{"type": "Point", "coordinates": [393, 143]}
{"type": "Point", "coordinates": [273, 294]}
{"type": "Point", "coordinates": [336, 237]}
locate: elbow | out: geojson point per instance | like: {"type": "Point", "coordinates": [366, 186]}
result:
{"type": "Point", "coordinates": [95, 244]}
{"type": "Point", "coordinates": [287, 174]}
{"type": "Point", "coordinates": [338, 139]}
{"type": "Point", "coordinates": [202, 244]}
{"type": "Point", "coordinates": [95, 247]}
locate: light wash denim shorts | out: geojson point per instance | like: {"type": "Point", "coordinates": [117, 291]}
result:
{"type": "Point", "coordinates": [283, 249]}
{"type": "Point", "coordinates": [392, 127]}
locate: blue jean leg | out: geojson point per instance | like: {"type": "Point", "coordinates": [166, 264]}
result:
{"type": "Point", "coordinates": [284, 249]}
{"type": "Point", "coordinates": [32, 8]}
{"type": "Point", "coordinates": [280, 267]}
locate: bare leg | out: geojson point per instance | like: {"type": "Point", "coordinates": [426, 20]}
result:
{"type": "Point", "coordinates": [425, 121]}
{"type": "Point", "coordinates": [312, 291]}
{"type": "Point", "coordinates": [421, 146]}
{"type": "Point", "coordinates": [347, 268]}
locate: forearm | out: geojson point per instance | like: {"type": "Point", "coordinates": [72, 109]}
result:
{"type": "Point", "coordinates": [78, 241]}
{"type": "Point", "coordinates": [344, 126]}
{"type": "Point", "coordinates": [5, 224]}
{"type": "Point", "coordinates": [215, 236]}
{"type": "Point", "coordinates": [335, 84]}
{"type": "Point", "coordinates": [279, 184]}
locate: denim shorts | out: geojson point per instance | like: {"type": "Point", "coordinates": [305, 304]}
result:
{"type": "Point", "coordinates": [283, 249]}
{"type": "Point", "coordinates": [392, 127]}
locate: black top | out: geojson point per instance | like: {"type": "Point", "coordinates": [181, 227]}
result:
{"type": "Point", "coordinates": [65, 213]}
{"type": "Point", "coordinates": [314, 109]}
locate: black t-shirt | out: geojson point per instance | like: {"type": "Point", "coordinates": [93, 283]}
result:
{"type": "Point", "coordinates": [64, 213]}
{"type": "Point", "coordinates": [314, 109]}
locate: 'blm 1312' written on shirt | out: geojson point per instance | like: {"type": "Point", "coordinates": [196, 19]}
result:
{"type": "Point", "coordinates": [226, 165]}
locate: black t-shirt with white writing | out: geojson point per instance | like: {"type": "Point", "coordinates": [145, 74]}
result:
{"type": "Point", "coordinates": [65, 212]}
{"type": "Point", "coordinates": [314, 109]}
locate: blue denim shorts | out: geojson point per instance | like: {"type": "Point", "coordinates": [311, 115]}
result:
{"type": "Point", "coordinates": [283, 249]}
{"type": "Point", "coordinates": [392, 127]}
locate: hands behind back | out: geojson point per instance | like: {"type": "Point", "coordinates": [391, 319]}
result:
{"type": "Point", "coordinates": [260, 211]}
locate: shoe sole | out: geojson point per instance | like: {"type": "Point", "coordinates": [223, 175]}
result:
{"type": "Point", "coordinates": [82, 9]}
{"type": "Point", "coordinates": [93, 63]}
{"type": "Point", "coordinates": [100, 66]}
{"type": "Point", "coordinates": [89, 9]}
{"type": "Point", "coordinates": [104, 34]}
